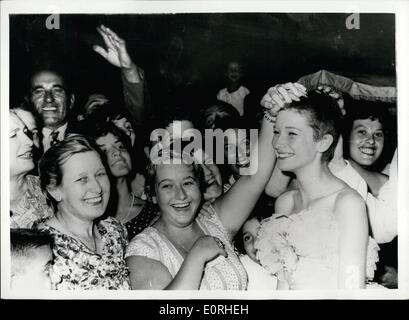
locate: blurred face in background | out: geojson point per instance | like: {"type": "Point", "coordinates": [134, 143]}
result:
{"type": "Point", "coordinates": [126, 127]}
{"type": "Point", "coordinates": [234, 71]}
{"type": "Point", "coordinates": [28, 119]}
{"type": "Point", "coordinates": [21, 147]}
{"type": "Point", "coordinates": [236, 147]}
{"type": "Point", "coordinates": [118, 158]}
{"type": "Point", "coordinates": [213, 181]}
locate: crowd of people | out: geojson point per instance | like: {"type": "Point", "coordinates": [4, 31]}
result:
{"type": "Point", "coordinates": [95, 203]}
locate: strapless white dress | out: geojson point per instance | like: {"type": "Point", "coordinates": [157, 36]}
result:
{"type": "Point", "coordinates": [304, 247]}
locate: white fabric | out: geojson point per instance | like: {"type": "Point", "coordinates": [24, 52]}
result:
{"type": "Point", "coordinates": [236, 98]}
{"type": "Point", "coordinates": [382, 211]}
{"type": "Point", "coordinates": [258, 277]}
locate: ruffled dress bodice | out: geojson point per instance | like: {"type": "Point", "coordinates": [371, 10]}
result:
{"type": "Point", "coordinates": [303, 248]}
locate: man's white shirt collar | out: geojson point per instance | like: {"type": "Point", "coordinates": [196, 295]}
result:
{"type": "Point", "coordinates": [47, 135]}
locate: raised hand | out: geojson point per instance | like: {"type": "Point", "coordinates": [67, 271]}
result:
{"type": "Point", "coordinates": [280, 95]}
{"type": "Point", "coordinates": [115, 52]}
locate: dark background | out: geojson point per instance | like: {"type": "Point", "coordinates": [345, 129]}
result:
{"type": "Point", "coordinates": [184, 55]}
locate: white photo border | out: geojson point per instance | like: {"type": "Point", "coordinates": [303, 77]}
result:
{"type": "Point", "coordinates": [401, 11]}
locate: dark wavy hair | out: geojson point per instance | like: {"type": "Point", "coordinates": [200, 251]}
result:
{"type": "Point", "coordinates": [372, 110]}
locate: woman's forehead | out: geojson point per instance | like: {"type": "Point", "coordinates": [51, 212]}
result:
{"type": "Point", "coordinates": [251, 226]}
{"type": "Point", "coordinates": [80, 162]}
{"type": "Point", "coordinates": [109, 138]}
{"type": "Point", "coordinates": [290, 116]}
{"type": "Point", "coordinates": [372, 123]}
{"type": "Point", "coordinates": [174, 171]}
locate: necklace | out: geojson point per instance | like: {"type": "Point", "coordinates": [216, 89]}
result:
{"type": "Point", "coordinates": [130, 208]}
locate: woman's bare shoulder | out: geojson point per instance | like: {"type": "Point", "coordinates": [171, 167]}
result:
{"type": "Point", "coordinates": [349, 201]}
{"type": "Point", "coordinates": [285, 203]}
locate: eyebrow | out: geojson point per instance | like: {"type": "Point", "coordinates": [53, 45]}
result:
{"type": "Point", "coordinates": [164, 180]}
{"type": "Point", "coordinates": [366, 127]}
{"type": "Point", "coordinates": [80, 174]}
{"type": "Point", "coordinates": [170, 180]}
{"type": "Point", "coordinates": [54, 86]}
{"type": "Point", "coordinates": [289, 127]}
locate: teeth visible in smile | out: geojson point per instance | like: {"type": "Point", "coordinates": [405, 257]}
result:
{"type": "Point", "coordinates": [284, 155]}
{"type": "Point", "coordinates": [49, 108]}
{"type": "Point", "coordinates": [181, 205]}
{"type": "Point", "coordinates": [94, 200]}
{"type": "Point", "coordinates": [368, 151]}
{"type": "Point", "coordinates": [27, 155]}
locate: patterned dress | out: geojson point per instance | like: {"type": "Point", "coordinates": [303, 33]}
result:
{"type": "Point", "coordinates": [145, 218]}
{"type": "Point", "coordinates": [32, 207]}
{"type": "Point", "coordinates": [219, 274]}
{"type": "Point", "coordinates": [77, 267]}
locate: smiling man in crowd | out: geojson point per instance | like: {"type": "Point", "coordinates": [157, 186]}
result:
{"type": "Point", "coordinates": [53, 100]}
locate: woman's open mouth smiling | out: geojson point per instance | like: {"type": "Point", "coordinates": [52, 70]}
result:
{"type": "Point", "coordinates": [26, 155]}
{"type": "Point", "coordinates": [94, 200]}
{"type": "Point", "coordinates": [283, 155]}
{"type": "Point", "coordinates": [369, 151]}
{"type": "Point", "coordinates": [181, 206]}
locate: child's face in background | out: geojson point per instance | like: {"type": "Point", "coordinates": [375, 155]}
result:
{"type": "Point", "coordinates": [36, 273]}
{"type": "Point", "coordinates": [234, 72]}
{"type": "Point", "coordinates": [250, 231]}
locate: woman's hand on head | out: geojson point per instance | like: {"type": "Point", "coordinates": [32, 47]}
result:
{"type": "Point", "coordinates": [280, 95]}
{"type": "Point", "coordinates": [208, 248]}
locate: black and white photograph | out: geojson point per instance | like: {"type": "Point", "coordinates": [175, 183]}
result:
{"type": "Point", "coordinates": [203, 150]}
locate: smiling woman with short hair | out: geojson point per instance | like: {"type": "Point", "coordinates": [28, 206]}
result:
{"type": "Point", "coordinates": [190, 247]}
{"type": "Point", "coordinates": [89, 250]}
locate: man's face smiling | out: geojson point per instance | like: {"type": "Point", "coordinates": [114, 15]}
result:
{"type": "Point", "coordinates": [50, 99]}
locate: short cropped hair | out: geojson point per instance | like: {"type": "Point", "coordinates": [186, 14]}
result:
{"type": "Point", "coordinates": [22, 241]}
{"type": "Point", "coordinates": [324, 117]}
{"type": "Point", "coordinates": [152, 168]}
{"type": "Point", "coordinates": [50, 165]}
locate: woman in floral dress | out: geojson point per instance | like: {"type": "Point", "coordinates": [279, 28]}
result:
{"type": "Point", "coordinates": [89, 251]}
